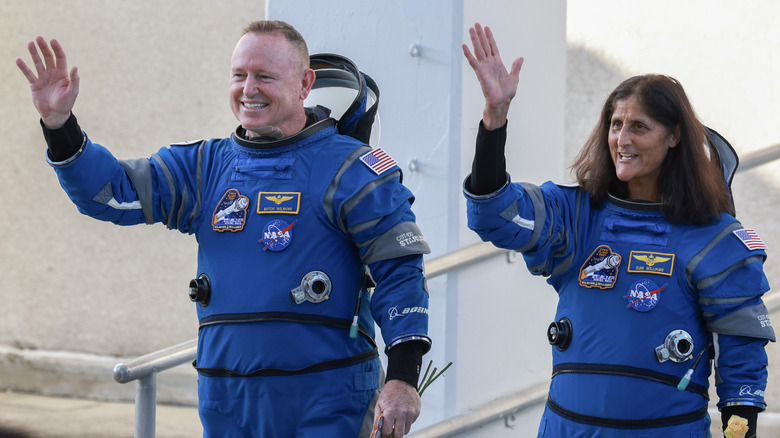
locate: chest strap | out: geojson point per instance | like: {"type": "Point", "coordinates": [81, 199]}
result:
{"type": "Point", "coordinates": [302, 318]}
{"type": "Point", "coordinates": [623, 370]}
{"type": "Point", "coordinates": [267, 372]}
{"type": "Point", "coordinates": [628, 424]}
{"type": "Point", "coordinates": [239, 318]}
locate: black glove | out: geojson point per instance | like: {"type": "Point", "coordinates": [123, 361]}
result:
{"type": "Point", "coordinates": [750, 413]}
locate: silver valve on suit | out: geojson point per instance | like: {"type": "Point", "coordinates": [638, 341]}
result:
{"type": "Point", "coordinates": [677, 347]}
{"type": "Point", "coordinates": [315, 288]}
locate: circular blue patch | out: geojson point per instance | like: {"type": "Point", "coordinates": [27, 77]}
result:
{"type": "Point", "coordinates": [277, 235]}
{"type": "Point", "coordinates": [643, 295]}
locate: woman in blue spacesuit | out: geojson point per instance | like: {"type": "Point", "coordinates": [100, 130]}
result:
{"type": "Point", "coordinates": [656, 278]}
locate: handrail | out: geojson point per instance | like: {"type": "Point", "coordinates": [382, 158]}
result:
{"type": "Point", "coordinates": [144, 369]}
{"type": "Point", "coordinates": [759, 157]}
{"type": "Point", "coordinates": [506, 407]}
{"type": "Point", "coordinates": [156, 362]}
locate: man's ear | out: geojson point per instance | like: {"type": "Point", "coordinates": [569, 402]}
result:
{"type": "Point", "coordinates": [307, 83]}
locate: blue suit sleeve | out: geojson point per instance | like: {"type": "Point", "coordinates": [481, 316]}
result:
{"type": "Point", "coordinates": [129, 192]}
{"type": "Point", "coordinates": [537, 221]}
{"type": "Point", "coordinates": [400, 302]}
{"type": "Point", "coordinates": [375, 212]}
{"type": "Point", "coordinates": [741, 373]}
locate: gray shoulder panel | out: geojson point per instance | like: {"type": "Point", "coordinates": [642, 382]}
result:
{"type": "Point", "coordinates": [749, 321]}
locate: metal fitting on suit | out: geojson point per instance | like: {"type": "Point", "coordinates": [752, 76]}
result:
{"type": "Point", "coordinates": [315, 288]}
{"type": "Point", "coordinates": [559, 333]}
{"type": "Point", "coordinates": [677, 347]}
{"type": "Point", "coordinates": [200, 290]}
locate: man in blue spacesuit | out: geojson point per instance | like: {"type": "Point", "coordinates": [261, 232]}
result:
{"type": "Point", "coordinates": [655, 277]}
{"type": "Point", "coordinates": [296, 224]}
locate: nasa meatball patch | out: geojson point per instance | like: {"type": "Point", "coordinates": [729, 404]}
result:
{"type": "Point", "coordinates": [643, 295]}
{"type": "Point", "coordinates": [277, 235]}
{"type": "Point", "coordinates": [601, 268]}
{"type": "Point", "coordinates": [230, 214]}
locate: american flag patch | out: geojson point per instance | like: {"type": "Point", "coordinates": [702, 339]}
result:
{"type": "Point", "coordinates": [377, 160]}
{"type": "Point", "coordinates": [750, 239]}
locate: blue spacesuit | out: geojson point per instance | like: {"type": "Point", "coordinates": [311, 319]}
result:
{"type": "Point", "coordinates": [640, 301]}
{"type": "Point", "coordinates": [292, 234]}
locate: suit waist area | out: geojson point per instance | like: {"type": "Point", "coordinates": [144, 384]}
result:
{"type": "Point", "coordinates": [622, 396]}
{"type": "Point", "coordinates": [277, 343]}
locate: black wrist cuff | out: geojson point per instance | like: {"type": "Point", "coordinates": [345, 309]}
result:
{"type": "Point", "coordinates": [404, 361]}
{"type": "Point", "coordinates": [63, 142]}
{"type": "Point", "coordinates": [488, 171]}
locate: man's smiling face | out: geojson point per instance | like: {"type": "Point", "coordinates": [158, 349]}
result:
{"type": "Point", "coordinates": [268, 84]}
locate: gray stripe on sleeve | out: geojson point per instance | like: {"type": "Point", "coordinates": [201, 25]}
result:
{"type": "Point", "coordinates": [540, 213]}
{"type": "Point", "coordinates": [704, 283]}
{"type": "Point", "coordinates": [696, 259]}
{"type": "Point", "coordinates": [139, 170]}
{"type": "Point", "coordinates": [353, 201]}
{"type": "Point", "coordinates": [364, 226]}
{"type": "Point", "coordinates": [330, 192]}
{"type": "Point", "coordinates": [198, 184]}
{"type": "Point", "coordinates": [185, 196]}
{"type": "Point", "coordinates": [167, 214]}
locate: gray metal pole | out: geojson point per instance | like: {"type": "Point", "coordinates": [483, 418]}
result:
{"type": "Point", "coordinates": [145, 406]}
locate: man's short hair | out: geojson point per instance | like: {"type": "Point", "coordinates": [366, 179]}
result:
{"type": "Point", "coordinates": [289, 32]}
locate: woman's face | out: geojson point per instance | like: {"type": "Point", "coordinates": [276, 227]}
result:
{"type": "Point", "coordinates": [638, 145]}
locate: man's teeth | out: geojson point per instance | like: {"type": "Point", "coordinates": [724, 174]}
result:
{"type": "Point", "coordinates": [255, 105]}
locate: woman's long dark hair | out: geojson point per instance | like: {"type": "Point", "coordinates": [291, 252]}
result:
{"type": "Point", "coordinates": [691, 185]}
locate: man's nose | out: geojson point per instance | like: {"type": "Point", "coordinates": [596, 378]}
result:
{"type": "Point", "coordinates": [251, 86]}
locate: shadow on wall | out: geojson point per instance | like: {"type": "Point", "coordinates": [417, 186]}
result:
{"type": "Point", "coordinates": [588, 82]}
{"type": "Point", "coordinates": [589, 79]}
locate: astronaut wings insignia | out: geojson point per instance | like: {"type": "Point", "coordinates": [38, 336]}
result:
{"type": "Point", "coordinates": [278, 199]}
{"type": "Point", "coordinates": [652, 259]}
{"type": "Point", "coordinates": [647, 262]}
{"type": "Point", "coordinates": [278, 202]}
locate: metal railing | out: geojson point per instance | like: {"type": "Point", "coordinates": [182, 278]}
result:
{"type": "Point", "coordinates": [759, 157]}
{"type": "Point", "coordinates": [144, 369]}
